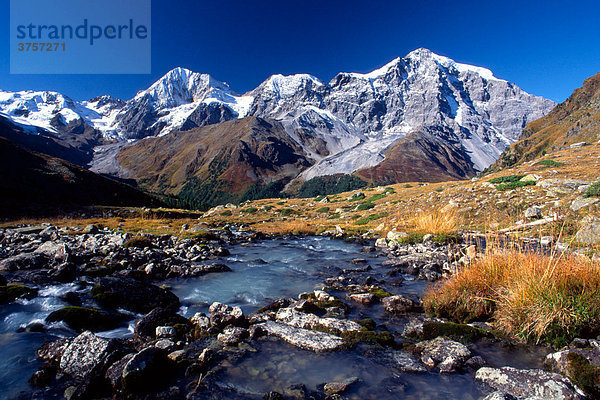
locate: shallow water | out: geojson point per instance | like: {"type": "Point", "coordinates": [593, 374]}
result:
{"type": "Point", "coordinates": [262, 272]}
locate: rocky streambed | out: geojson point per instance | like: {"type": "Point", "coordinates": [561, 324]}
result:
{"type": "Point", "coordinates": [225, 314]}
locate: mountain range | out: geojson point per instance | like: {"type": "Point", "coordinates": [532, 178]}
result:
{"type": "Point", "coordinates": [420, 117]}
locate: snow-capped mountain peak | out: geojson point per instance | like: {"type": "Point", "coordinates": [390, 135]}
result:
{"type": "Point", "coordinates": [282, 86]}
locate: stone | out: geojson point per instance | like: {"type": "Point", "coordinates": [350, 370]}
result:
{"type": "Point", "coordinates": [399, 304]}
{"type": "Point", "coordinates": [56, 250]}
{"type": "Point", "coordinates": [395, 236]}
{"type": "Point", "coordinates": [589, 233]}
{"type": "Point", "coordinates": [166, 345]}
{"type": "Point", "coordinates": [114, 373]}
{"type": "Point", "coordinates": [303, 338]}
{"type": "Point", "coordinates": [87, 319]}
{"type": "Point", "coordinates": [23, 261]}
{"type": "Point", "coordinates": [499, 395]}
{"type": "Point", "coordinates": [446, 354]}
{"type": "Point", "coordinates": [132, 295]}
{"type": "Point", "coordinates": [546, 241]}
{"type": "Point", "coordinates": [583, 202]}
{"type": "Point", "coordinates": [201, 321]}
{"type": "Point", "coordinates": [558, 362]}
{"type": "Point", "coordinates": [222, 315]}
{"type": "Point", "coordinates": [322, 295]}
{"type": "Point", "coordinates": [405, 362]}
{"type": "Point", "coordinates": [523, 383]}
{"type": "Point", "coordinates": [84, 353]}
{"type": "Point", "coordinates": [165, 332]}
{"type": "Point", "coordinates": [381, 243]}
{"type": "Point", "coordinates": [232, 336]}
{"type": "Point", "coordinates": [364, 298]}
{"type": "Point", "coordinates": [146, 326]}
{"type": "Point", "coordinates": [339, 387]}
{"type": "Point", "coordinates": [533, 212]}
{"type": "Point", "coordinates": [290, 316]}
{"type": "Point", "coordinates": [146, 370]}
{"type": "Point", "coordinates": [53, 351]}
{"type": "Point", "coordinates": [530, 178]}
{"type": "Point", "coordinates": [90, 229]}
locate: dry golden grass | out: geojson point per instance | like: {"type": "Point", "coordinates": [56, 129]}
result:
{"type": "Point", "coordinates": [437, 222]}
{"type": "Point", "coordinates": [530, 296]}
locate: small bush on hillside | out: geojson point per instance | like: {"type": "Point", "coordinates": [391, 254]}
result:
{"type": "Point", "coordinates": [593, 191]}
{"type": "Point", "coordinates": [549, 163]}
{"type": "Point", "coordinates": [506, 179]}
{"type": "Point", "coordinates": [514, 185]}
{"type": "Point", "coordinates": [365, 206]}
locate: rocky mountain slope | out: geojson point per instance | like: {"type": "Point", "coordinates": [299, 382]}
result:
{"type": "Point", "coordinates": [219, 162]}
{"type": "Point", "coordinates": [577, 120]}
{"type": "Point", "coordinates": [345, 125]}
{"type": "Point", "coordinates": [34, 184]}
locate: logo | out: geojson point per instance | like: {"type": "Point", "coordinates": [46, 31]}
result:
{"type": "Point", "coordinates": [80, 37]}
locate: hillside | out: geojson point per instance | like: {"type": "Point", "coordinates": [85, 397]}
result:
{"type": "Point", "coordinates": [217, 163]}
{"type": "Point", "coordinates": [35, 184]}
{"type": "Point", "coordinates": [576, 120]}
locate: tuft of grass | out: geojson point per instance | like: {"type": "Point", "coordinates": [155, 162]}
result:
{"type": "Point", "coordinates": [549, 163]}
{"type": "Point", "coordinates": [376, 197]}
{"type": "Point", "coordinates": [226, 213]}
{"type": "Point", "coordinates": [323, 210]}
{"type": "Point", "coordinates": [250, 210]}
{"type": "Point", "coordinates": [286, 212]}
{"type": "Point", "coordinates": [533, 297]}
{"type": "Point", "coordinates": [139, 242]}
{"type": "Point", "coordinates": [436, 222]}
{"type": "Point", "coordinates": [593, 191]}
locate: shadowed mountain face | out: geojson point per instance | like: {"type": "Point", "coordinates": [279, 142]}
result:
{"type": "Point", "coordinates": [37, 184]}
{"type": "Point", "coordinates": [216, 162]}
{"type": "Point", "coordinates": [419, 157]}
{"type": "Point", "coordinates": [574, 121]}
{"type": "Point", "coordinates": [74, 142]}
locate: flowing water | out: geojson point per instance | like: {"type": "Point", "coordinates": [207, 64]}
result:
{"type": "Point", "coordinates": [264, 271]}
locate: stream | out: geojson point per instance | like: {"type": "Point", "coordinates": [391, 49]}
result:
{"type": "Point", "coordinates": [262, 272]}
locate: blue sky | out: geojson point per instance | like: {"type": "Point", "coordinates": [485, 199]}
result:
{"type": "Point", "coordinates": [548, 48]}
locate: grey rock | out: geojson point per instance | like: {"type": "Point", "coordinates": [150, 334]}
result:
{"type": "Point", "coordinates": [232, 335]}
{"type": "Point", "coordinates": [405, 362]}
{"type": "Point", "coordinates": [558, 362]}
{"type": "Point", "coordinates": [146, 369]}
{"type": "Point", "coordinates": [499, 395]}
{"type": "Point", "coordinates": [222, 315]}
{"type": "Point", "coordinates": [290, 316]}
{"type": "Point", "coordinates": [445, 354]}
{"type": "Point", "coordinates": [84, 353]}
{"type": "Point", "coordinates": [333, 388]}
{"type": "Point", "coordinates": [23, 261]}
{"type": "Point", "coordinates": [303, 338]}
{"type": "Point", "coordinates": [399, 304]}
{"type": "Point", "coordinates": [165, 332]}
{"type": "Point", "coordinates": [583, 202]}
{"type": "Point", "coordinates": [529, 383]}
{"type": "Point", "coordinates": [533, 212]}
{"type": "Point", "coordinates": [589, 233]}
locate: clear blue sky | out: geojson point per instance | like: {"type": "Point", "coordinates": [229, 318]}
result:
{"type": "Point", "coordinates": [546, 47]}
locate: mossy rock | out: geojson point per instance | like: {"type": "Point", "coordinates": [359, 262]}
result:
{"type": "Point", "coordinates": [112, 292]}
{"type": "Point", "coordinates": [10, 293]}
{"type": "Point", "coordinates": [367, 323]}
{"type": "Point", "coordinates": [83, 318]}
{"type": "Point", "coordinates": [379, 293]}
{"type": "Point", "coordinates": [364, 335]}
{"type": "Point", "coordinates": [459, 332]}
{"type": "Point", "coordinates": [584, 375]}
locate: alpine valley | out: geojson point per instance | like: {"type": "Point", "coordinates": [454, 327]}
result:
{"type": "Point", "coordinates": [423, 117]}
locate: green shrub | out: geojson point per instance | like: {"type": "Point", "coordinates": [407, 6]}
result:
{"type": "Point", "coordinates": [593, 191]}
{"type": "Point", "coordinates": [226, 213]}
{"type": "Point", "coordinates": [549, 163]}
{"type": "Point", "coordinates": [369, 218]}
{"type": "Point", "coordinates": [376, 197]}
{"type": "Point", "coordinates": [514, 185]}
{"type": "Point", "coordinates": [286, 212]}
{"type": "Point", "coordinates": [357, 197]}
{"type": "Point", "coordinates": [251, 210]}
{"type": "Point", "coordinates": [507, 179]}
{"type": "Point", "coordinates": [323, 210]}
{"type": "Point", "coordinates": [365, 206]}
